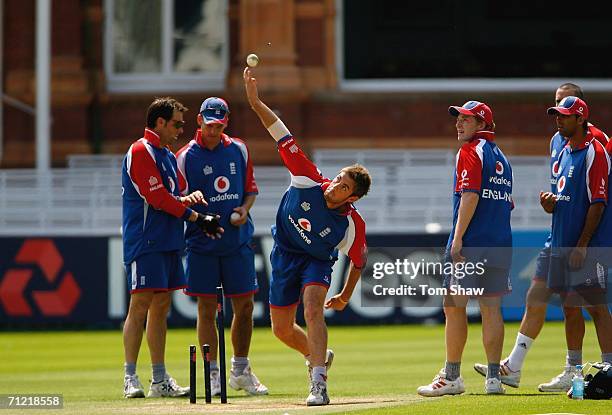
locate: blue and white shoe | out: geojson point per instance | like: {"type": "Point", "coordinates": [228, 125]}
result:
{"type": "Point", "coordinates": [167, 388]}
{"type": "Point", "coordinates": [318, 394]}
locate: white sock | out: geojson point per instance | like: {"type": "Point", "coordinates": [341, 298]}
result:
{"type": "Point", "coordinates": [519, 352]}
{"type": "Point", "coordinates": [319, 374]}
{"type": "Point", "coordinates": [239, 364]}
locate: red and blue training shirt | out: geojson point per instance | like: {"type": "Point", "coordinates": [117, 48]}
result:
{"type": "Point", "coordinates": [152, 213]}
{"type": "Point", "coordinates": [225, 176]}
{"type": "Point", "coordinates": [304, 223]}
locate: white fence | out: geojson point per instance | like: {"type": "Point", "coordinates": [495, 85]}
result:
{"type": "Point", "coordinates": [411, 192]}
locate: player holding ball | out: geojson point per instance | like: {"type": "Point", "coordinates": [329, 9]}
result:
{"type": "Point", "coordinates": [220, 167]}
{"type": "Point", "coordinates": [316, 219]}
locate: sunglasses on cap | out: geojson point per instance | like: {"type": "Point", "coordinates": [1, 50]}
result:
{"type": "Point", "coordinates": [216, 113]}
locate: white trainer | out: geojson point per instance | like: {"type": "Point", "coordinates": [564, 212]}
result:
{"type": "Point", "coordinates": [248, 382]}
{"type": "Point", "coordinates": [493, 386]}
{"type": "Point", "coordinates": [442, 386]}
{"type": "Point", "coordinates": [132, 388]}
{"type": "Point", "coordinates": [329, 359]}
{"type": "Point", "coordinates": [215, 382]}
{"type": "Point", "coordinates": [167, 388]}
{"type": "Point", "coordinates": [507, 376]}
{"type": "Point", "coordinates": [318, 394]}
{"type": "Point", "coordinates": [560, 383]}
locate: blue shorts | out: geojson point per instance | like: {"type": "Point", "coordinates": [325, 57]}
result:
{"type": "Point", "coordinates": [542, 264]}
{"type": "Point", "coordinates": [236, 273]}
{"type": "Point", "coordinates": [590, 282]}
{"type": "Point", "coordinates": [156, 271]}
{"type": "Point", "coordinates": [292, 272]}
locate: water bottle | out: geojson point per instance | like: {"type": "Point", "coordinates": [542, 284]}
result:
{"type": "Point", "coordinates": [578, 384]}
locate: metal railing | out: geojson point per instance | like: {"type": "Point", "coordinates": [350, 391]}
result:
{"type": "Point", "coordinates": [411, 192]}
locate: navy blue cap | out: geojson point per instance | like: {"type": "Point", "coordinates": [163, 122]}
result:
{"type": "Point", "coordinates": [215, 110]}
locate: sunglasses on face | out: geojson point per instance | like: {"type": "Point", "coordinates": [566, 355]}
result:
{"type": "Point", "coordinates": [177, 124]}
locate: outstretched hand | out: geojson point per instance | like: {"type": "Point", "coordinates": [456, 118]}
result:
{"type": "Point", "coordinates": [336, 303]}
{"type": "Point", "coordinates": [250, 85]}
{"type": "Point", "coordinates": [193, 198]}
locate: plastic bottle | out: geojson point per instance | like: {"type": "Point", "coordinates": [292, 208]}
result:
{"type": "Point", "coordinates": [578, 384]}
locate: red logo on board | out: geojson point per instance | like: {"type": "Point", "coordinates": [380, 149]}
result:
{"type": "Point", "coordinates": [41, 254]}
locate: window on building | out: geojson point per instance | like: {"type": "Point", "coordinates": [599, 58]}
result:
{"type": "Point", "coordinates": [473, 42]}
{"type": "Point", "coordinates": [166, 45]}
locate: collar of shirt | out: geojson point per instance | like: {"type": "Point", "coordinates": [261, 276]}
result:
{"type": "Point", "coordinates": [582, 145]}
{"type": "Point", "coordinates": [225, 140]}
{"type": "Point", "coordinates": [152, 137]}
{"type": "Point", "coordinates": [485, 135]}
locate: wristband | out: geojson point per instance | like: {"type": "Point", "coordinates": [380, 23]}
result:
{"type": "Point", "coordinates": [278, 130]}
{"type": "Point", "coordinates": [187, 214]}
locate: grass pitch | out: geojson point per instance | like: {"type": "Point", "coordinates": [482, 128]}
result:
{"type": "Point", "coordinates": [376, 371]}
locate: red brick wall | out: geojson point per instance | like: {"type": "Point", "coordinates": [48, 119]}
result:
{"type": "Point", "coordinates": [85, 116]}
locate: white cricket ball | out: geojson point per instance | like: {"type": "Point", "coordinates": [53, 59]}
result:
{"type": "Point", "coordinates": [252, 60]}
{"type": "Point", "coordinates": [234, 216]}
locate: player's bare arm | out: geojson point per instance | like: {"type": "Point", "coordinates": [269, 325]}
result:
{"type": "Point", "coordinates": [267, 117]}
{"type": "Point", "coordinates": [467, 207]}
{"type": "Point", "coordinates": [591, 223]}
{"type": "Point", "coordinates": [339, 301]}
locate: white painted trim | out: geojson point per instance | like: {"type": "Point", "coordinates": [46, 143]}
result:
{"type": "Point", "coordinates": [43, 85]}
{"type": "Point", "coordinates": [339, 26]}
{"type": "Point", "coordinates": [167, 32]}
{"type": "Point", "coordinates": [107, 49]}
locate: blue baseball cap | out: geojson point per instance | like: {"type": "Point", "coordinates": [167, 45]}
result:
{"type": "Point", "coordinates": [215, 111]}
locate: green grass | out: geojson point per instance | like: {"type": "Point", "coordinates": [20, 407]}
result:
{"type": "Point", "coordinates": [376, 371]}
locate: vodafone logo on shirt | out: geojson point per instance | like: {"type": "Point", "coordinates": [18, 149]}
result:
{"type": "Point", "coordinates": [561, 184]}
{"type": "Point", "coordinates": [304, 224]}
{"type": "Point", "coordinates": [222, 184]}
{"type": "Point", "coordinates": [555, 168]}
{"type": "Point", "coordinates": [499, 167]}
{"type": "Point", "coordinates": [464, 181]}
